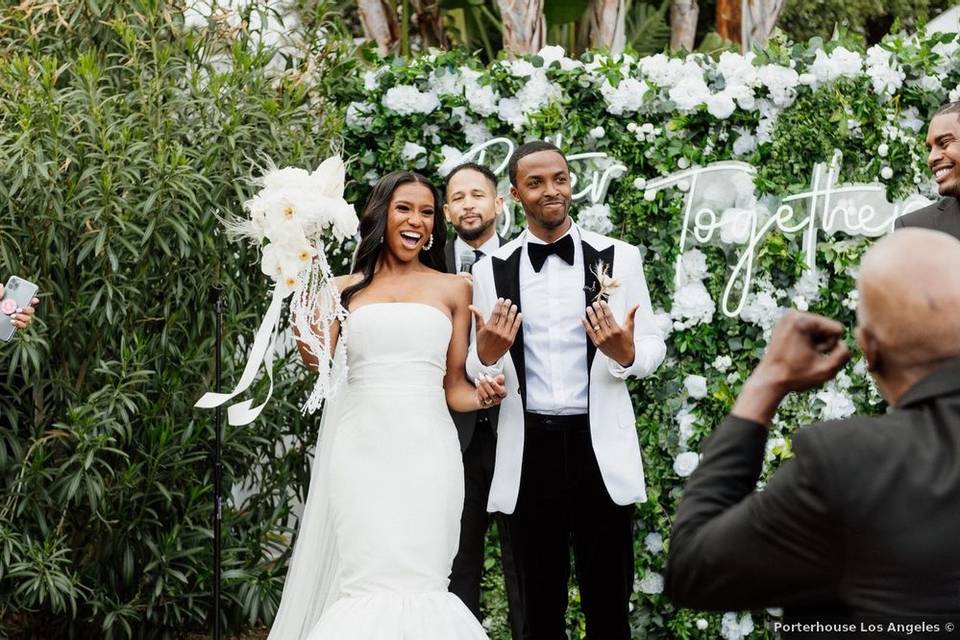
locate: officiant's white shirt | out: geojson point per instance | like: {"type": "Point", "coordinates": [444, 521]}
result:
{"type": "Point", "coordinates": [554, 342]}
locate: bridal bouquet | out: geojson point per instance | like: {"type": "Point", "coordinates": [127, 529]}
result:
{"type": "Point", "coordinates": [292, 217]}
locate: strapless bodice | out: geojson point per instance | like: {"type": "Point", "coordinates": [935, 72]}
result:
{"type": "Point", "coordinates": [397, 344]}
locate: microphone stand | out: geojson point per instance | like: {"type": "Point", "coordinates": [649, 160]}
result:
{"type": "Point", "coordinates": [217, 295]}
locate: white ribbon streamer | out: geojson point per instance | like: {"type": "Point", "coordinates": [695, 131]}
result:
{"type": "Point", "coordinates": [261, 354]}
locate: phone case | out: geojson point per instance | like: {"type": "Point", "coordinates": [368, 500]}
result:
{"type": "Point", "coordinates": [17, 294]}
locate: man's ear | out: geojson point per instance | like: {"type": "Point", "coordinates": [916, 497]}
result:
{"type": "Point", "coordinates": [446, 212]}
{"type": "Point", "coordinates": [515, 194]}
{"type": "Point", "coordinates": [870, 348]}
{"type": "Point", "coordinates": [497, 205]}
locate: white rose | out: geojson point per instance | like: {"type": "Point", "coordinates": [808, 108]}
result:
{"type": "Point", "coordinates": [722, 363]}
{"type": "Point", "coordinates": [551, 54]}
{"type": "Point", "coordinates": [883, 150]}
{"type": "Point", "coordinates": [411, 150]}
{"type": "Point", "coordinates": [702, 624]}
{"type": "Point", "coordinates": [886, 173]}
{"type": "Point", "coordinates": [721, 105]}
{"type": "Point", "coordinates": [685, 463]}
{"type": "Point", "coordinates": [597, 133]}
{"type": "Point", "coordinates": [736, 225]}
{"type": "Point", "coordinates": [696, 386]}
{"type": "Point", "coordinates": [451, 158]}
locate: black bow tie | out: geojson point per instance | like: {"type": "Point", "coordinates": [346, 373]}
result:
{"type": "Point", "coordinates": [563, 248]}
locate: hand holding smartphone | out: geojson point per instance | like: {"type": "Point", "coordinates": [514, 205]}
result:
{"type": "Point", "coordinates": [15, 297]}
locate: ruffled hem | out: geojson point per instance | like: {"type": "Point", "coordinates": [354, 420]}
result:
{"type": "Point", "coordinates": [436, 615]}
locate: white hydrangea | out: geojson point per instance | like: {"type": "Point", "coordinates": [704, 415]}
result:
{"type": "Point", "coordinates": [359, 116]}
{"type": "Point", "coordinates": [836, 404]}
{"type": "Point", "coordinates": [762, 308]}
{"type": "Point", "coordinates": [685, 463]}
{"type": "Point", "coordinates": [696, 386]}
{"type": "Point", "coordinates": [446, 82]}
{"type": "Point", "coordinates": [781, 82]}
{"type": "Point", "coordinates": [519, 68]}
{"type": "Point", "coordinates": [722, 363]}
{"type": "Point", "coordinates": [692, 305]}
{"type": "Point", "coordinates": [721, 105]}
{"type": "Point", "coordinates": [406, 100]}
{"type": "Point", "coordinates": [732, 628]}
{"type": "Point", "coordinates": [663, 323]}
{"type": "Point", "coordinates": [689, 93]}
{"type": "Point", "coordinates": [839, 64]}
{"type": "Point", "coordinates": [626, 97]}
{"type": "Point", "coordinates": [595, 218]}
{"type": "Point", "coordinates": [482, 99]}
{"type": "Point", "coordinates": [692, 267]}
{"type": "Point", "coordinates": [476, 133]}
{"type": "Point", "coordinates": [370, 80]}
{"type": "Point", "coordinates": [653, 542]}
{"type": "Point", "coordinates": [746, 143]}
{"type": "Point", "coordinates": [738, 69]}
{"type": "Point", "coordinates": [510, 112]}
{"type": "Point", "coordinates": [537, 93]}
{"type": "Point", "coordinates": [652, 583]}
{"type": "Point", "coordinates": [884, 71]}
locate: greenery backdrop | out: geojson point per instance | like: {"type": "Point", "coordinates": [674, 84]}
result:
{"type": "Point", "coordinates": [125, 133]}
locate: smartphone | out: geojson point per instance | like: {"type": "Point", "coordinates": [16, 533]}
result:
{"type": "Point", "coordinates": [17, 294]}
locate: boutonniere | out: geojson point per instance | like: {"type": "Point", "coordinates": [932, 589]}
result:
{"type": "Point", "coordinates": [606, 282]}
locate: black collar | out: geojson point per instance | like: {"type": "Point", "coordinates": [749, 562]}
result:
{"type": "Point", "coordinates": [944, 381]}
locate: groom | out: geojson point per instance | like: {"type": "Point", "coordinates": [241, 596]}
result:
{"type": "Point", "coordinates": [568, 468]}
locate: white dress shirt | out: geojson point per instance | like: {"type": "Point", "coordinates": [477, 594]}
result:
{"type": "Point", "coordinates": [554, 342]}
{"type": "Point", "coordinates": [461, 248]}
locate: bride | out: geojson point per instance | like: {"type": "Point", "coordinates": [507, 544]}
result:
{"type": "Point", "coordinates": [381, 525]}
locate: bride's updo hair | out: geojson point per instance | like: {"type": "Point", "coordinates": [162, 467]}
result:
{"type": "Point", "coordinates": [373, 228]}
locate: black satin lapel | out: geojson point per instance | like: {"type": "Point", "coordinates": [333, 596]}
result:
{"type": "Point", "coordinates": [591, 285]}
{"type": "Point", "coordinates": [506, 279]}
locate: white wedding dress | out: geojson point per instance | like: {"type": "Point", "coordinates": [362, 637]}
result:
{"type": "Point", "coordinates": [382, 521]}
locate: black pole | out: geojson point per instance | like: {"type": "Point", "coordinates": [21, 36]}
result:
{"type": "Point", "coordinates": [217, 463]}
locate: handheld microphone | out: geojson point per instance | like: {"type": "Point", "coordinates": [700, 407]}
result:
{"type": "Point", "coordinates": [466, 262]}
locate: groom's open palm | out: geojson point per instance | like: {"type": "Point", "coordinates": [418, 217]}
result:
{"type": "Point", "coordinates": [496, 334]}
{"type": "Point", "coordinates": [612, 339]}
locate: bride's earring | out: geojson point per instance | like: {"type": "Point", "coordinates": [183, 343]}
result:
{"type": "Point", "coordinates": [429, 245]}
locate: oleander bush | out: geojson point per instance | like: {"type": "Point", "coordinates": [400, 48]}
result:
{"type": "Point", "coordinates": [124, 134]}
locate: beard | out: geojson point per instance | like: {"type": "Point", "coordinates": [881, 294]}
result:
{"type": "Point", "coordinates": [473, 232]}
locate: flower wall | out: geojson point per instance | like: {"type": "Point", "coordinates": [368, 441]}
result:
{"type": "Point", "coordinates": [781, 109]}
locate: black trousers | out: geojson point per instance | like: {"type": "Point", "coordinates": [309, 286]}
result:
{"type": "Point", "coordinates": [478, 462]}
{"type": "Point", "coordinates": [563, 503]}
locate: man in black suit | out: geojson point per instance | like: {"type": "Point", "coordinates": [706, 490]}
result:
{"type": "Point", "coordinates": [471, 206]}
{"type": "Point", "coordinates": [943, 142]}
{"type": "Point", "coordinates": [862, 524]}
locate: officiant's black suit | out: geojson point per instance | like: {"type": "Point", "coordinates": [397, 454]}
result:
{"type": "Point", "coordinates": [478, 442]}
{"type": "Point", "coordinates": [863, 521]}
{"type": "Point", "coordinates": [943, 215]}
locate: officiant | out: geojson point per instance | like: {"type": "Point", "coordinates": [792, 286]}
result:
{"type": "Point", "coordinates": [471, 206]}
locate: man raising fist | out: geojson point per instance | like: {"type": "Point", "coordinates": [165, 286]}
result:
{"type": "Point", "coordinates": [565, 315]}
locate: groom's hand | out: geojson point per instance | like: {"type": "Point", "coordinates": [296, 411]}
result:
{"type": "Point", "coordinates": [610, 338]}
{"type": "Point", "coordinates": [495, 335]}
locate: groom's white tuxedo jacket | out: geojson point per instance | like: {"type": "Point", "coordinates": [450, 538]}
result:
{"type": "Point", "coordinates": [612, 422]}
